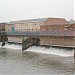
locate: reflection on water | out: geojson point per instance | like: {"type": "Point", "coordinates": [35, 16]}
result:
{"type": "Point", "coordinates": [26, 62]}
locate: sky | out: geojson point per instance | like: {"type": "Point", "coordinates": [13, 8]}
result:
{"type": "Point", "coordinates": [74, 9]}
{"type": "Point", "coordinates": [11, 10]}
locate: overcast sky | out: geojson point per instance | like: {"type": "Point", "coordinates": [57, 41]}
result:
{"type": "Point", "coordinates": [11, 10]}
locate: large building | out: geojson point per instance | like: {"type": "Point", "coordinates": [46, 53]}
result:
{"type": "Point", "coordinates": [28, 25]}
{"type": "Point", "coordinates": [53, 24]}
{"type": "Point", "coordinates": [34, 24]}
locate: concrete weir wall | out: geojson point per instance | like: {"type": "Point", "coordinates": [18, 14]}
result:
{"type": "Point", "coordinates": [58, 41]}
{"type": "Point", "coordinates": [15, 39]}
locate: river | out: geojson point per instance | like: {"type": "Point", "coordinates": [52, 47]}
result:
{"type": "Point", "coordinates": [36, 60]}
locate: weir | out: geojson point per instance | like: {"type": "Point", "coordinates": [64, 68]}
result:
{"type": "Point", "coordinates": [38, 38]}
{"type": "Point", "coordinates": [25, 41]}
{"type": "Point", "coordinates": [28, 41]}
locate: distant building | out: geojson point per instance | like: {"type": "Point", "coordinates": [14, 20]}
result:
{"type": "Point", "coordinates": [54, 24]}
{"type": "Point", "coordinates": [73, 25]}
{"type": "Point", "coordinates": [35, 24]}
{"type": "Point", "coordinates": [29, 25]}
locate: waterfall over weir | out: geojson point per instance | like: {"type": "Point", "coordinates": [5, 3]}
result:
{"type": "Point", "coordinates": [39, 49]}
{"type": "Point", "coordinates": [54, 51]}
{"type": "Point", "coordinates": [0, 44]}
{"type": "Point", "coordinates": [12, 46]}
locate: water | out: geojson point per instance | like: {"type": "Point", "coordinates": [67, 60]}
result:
{"type": "Point", "coordinates": [13, 46]}
{"type": "Point", "coordinates": [36, 60]}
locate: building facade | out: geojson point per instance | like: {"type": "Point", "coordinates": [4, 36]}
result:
{"type": "Point", "coordinates": [54, 25]}
{"type": "Point", "coordinates": [37, 24]}
{"type": "Point", "coordinates": [28, 25]}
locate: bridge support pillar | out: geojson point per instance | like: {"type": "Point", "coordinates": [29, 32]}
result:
{"type": "Point", "coordinates": [30, 41]}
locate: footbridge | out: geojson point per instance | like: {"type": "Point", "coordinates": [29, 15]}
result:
{"type": "Point", "coordinates": [64, 39]}
{"type": "Point", "coordinates": [41, 33]}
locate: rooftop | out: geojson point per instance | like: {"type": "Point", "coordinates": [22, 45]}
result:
{"type": "Point", "coordinates": [33, 20]}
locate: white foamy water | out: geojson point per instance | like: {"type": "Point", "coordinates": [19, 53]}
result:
{"type": "Point", "coordinates": [0, 44]}
{"type": "Point", "coordinates": [54, 51]}
{"type": "Point", "coordinates": [12, 46]}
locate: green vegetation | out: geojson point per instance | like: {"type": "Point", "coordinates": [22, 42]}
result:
{"type": "Point", "coordinates": [26, 40]}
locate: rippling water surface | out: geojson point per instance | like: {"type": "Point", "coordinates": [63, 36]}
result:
{"type": "Point", "coordinates": [36, 60]}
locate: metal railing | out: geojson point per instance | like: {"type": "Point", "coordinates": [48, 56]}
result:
{"type": "Point", "coordinates": [41, 33]}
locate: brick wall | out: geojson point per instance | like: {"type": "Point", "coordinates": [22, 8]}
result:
{"type": "Point", "coordinates": [57, 41]}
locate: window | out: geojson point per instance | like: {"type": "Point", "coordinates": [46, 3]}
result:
{"type": "Point", "coordinates": [35, 24]}
{"type": "Point", "coordinates": [66, 29]}
{"type": "Point", "coordinates": [65, 26]}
